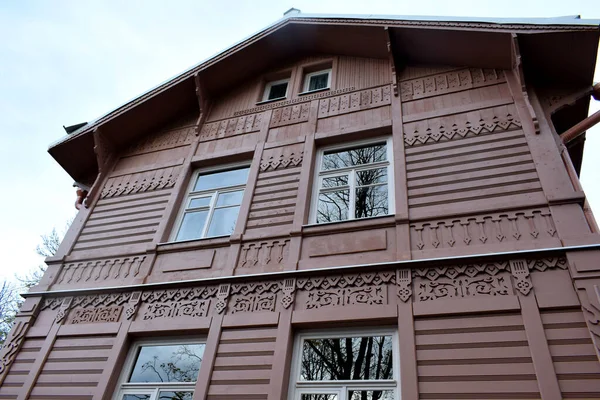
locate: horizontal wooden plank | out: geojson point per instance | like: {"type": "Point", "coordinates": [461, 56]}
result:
{"type": "Point", "coordinates": [479, 321]}
{"type": "Point", "coordinates": [437, 112]}
{"type": "Point", "coordinates": [114, 242]}
{"type": "Point", "coordinates": [76, 367]}
{"type": "Point", "coordinates": [246, 347]}
{"type": "Point", "coordinates": [271, 221]}
{"type": "Point", "coordinates": [244, 361]}
{"type": "Point", "coordinates": [591, 387]}
{"type": "Point", "coordinates": [136, 212]}
{"type": "Point", "coordinates": [152, 194]}
{"type": "Point", "coordinates": [279, 172]}
{"type": "Point", "coordinates": [62, 392]}
{"type": "Point", "coordinates": [562, 316]}
{"type": "Point", "coordinates": [570, 333]}
{"type": "Point", "coordinates": [480, 338]}
{"type": "Point", "coordinates": [132, 205]}
{"type": "Point", "coordinates": [476, 370]}
{"type": "Point", "coordinates": [237, 389]}
{"type": "Point", "coordinates": [117, 220]}
{"type": "Point", "coordinates": [232, 334]}
{"type": "Point", "coordinates": [480, 388]}
{"type": "Point", "coordinates": [283, 211]}
{"type": "Point", "coordinates": [268, 197]}
{"type": "Point", "coordinates": [480, 354]}
{"type": "Point", "coordinates": [276, 189]}
{"type": "Point", "coordinates": [572, 350]}
{"type": "Point", "coordinates": [236, 374]}
{"type": "Point", "coordinates": [277, 180]}
{"type": "Point", "coordinates": [577, 367]}
{"type": "Point", "coordinates": [118, 233]}
{"type": "Point", "coordinates": [13, 380]}
{"type": "Point", "coordinates": [69, 379]}
{"type": "Point", "coordinates": [453, 186]}
{"type": "Point", "coordinates": [32, 344]}
{"type": "Point", "coordinates": [120, 226]}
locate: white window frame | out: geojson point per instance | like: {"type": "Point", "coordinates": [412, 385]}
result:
{"type": "Point", "coordinates": [153, 388]}
{"type": "Point", "coordinates": [270, 84]}
{"type": "Point", "coordinates": [213, 193]}
{"type": "Point", "coordinates": [307, 77]}
{"type": "Point", "coordinates": [351, 171]}
{"type": "Point", "coordinates": [341, 388]}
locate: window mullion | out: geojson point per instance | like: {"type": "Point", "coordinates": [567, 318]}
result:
{"type": "Point", "coordinates": [211, 211]}
{"type": "Point", "coordinates": [352, 197]}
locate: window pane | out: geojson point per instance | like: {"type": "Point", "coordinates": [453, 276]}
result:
{"type": "Point", "coordinates": [318, 81]}
{"type": "Point", "coordinates": [168, 363]}
{"type": "Point", "coordinates": [277, 91]}
{"type": "Point", "coordinates": [335, 181]}
{"type": "Point", "coordinates": [222, 179]}
{"type": "Point", "coordinates": [371, 201]}
{"type": "Point", "coordinates": [192, 225]}
{"type": "Point", "coordinates": [136, 397]}
{"type": "Point", "coordinates": [319, 396]}
{"type": "Point", "coordinates": [370, 395]}
{"type": "Point", "coordinates": [371, 176]}
{"type": "Point", "coordinates": [352, 157]}
{"type": "Point", "coordinates": [230, 198]}
{"type": "Point", "coordinates": [333, 206]}
{"type": "Point", "coordinates": [201, 202]}
{"type": "Point", "coordinates": [175, 395]}
{"type": "Point", "coordinates": [352, 358]}
{"type": "Point", "coordinates": [223, 221]}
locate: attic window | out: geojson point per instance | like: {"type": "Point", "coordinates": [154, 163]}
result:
{"type": "Point", "coordinates": [275, 90]}
{"type": "Point", "coordinates": [318, 80]}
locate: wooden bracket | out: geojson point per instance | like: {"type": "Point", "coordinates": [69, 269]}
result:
{"type": "Point", "coordinates": [517, 65]}
{"type": "Point", "coordinates": [390, 49]}
{"type": "Point", "coordinates": [202, 103]}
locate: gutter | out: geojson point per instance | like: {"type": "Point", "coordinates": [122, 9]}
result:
{"type": "Point", "coordinates": [299, 273]}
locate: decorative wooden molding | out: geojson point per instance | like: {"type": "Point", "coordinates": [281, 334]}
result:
{"type": "Point", "coordinates": [281, 161]}
{"type": "Point", "coordinates": [477, 230]}
{"type": "Point", "coordinates": [140, 182]}
{"type": "Point", "coordinates": [589, 296]}
{"type": "Point", "coordinates": [222, 297]}
{"type": "Point", "coordinates": [65, 306]}
{"type": "Point", "coordinates": [289, 287]}
{"type": "Point", "coordinates": [263, 253]}
{"type": "Point", "coordinates": [404, 283]}
{"type": "Point", "coordinates": [133, 305]}
{"type": "Point", "coordinates": [100, 314]}
{"type": "Point", "coordinates": [12, 345]}
{"type": "Point", "coordinates": [392, 61]}
{"type": "Point", "coordinates": [458, 130]}
{"type": "Point", "coordinates": [289, 115]}
{"type": "Point", "coordinates": [231, 127]}
{"type": "Point", "coordinates": [520, 273]}
{"type": "Point", "coordinates": [449, 82]}
{"type": "Point", "coordinates": [192, 308]}
{"type": "Point", "coordinates": [162, 140]}
{"type": "Point", "coordinates": [302, 99]}
{"type": "Point", "coordinates": [254, 297]}
{"type": "Point", "coordinates": [100, 270]}
{"type": "Point", "coordinates": [518, 67]}
{"type": "Point", "coordinates": [356, 101]}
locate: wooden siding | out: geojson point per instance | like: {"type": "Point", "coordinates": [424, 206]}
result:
{"type": "Point", "coordinates": [17, 375]}
{"type": "Point", "coordinates": [479, 357]}
{"type": "Point", "coordinates": [243, 364]}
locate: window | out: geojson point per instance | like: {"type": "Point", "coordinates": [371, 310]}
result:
{"type": "Point", "coordinates": [354, 182]}
{"type": "Point", "coordinates": [351, 366]}
{"type": "Point", "coordinates": [317, 80]}
{"type": "Point", "coordinates": [211, 209]}
{"type": "Point", "coordinates": [163, 370]}
{"type": "Point", "coordinates": [276, 90]}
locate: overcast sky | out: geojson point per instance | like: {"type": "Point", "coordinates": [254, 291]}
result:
{"type": "Point", "coordinates": [65, 62]}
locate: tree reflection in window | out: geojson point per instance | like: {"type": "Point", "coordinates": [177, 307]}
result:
{"type": "Point", "coordinates": [167, 363]}
{"type": "Point", "coordinates": [318, 396]}
{"type": "Point", "coordinates": [351, 358]}
{"type": "Point", "coordinates": [179, 395]}
{"type": "Point", "coordinates": [371, 395]}
{"type": "Point", "coordinates": [349, 189]}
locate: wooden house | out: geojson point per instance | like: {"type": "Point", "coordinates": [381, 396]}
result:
{"type": "Point", "coordinates": [335, 208]}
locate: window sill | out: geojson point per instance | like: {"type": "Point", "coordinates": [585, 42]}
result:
{"type": "Point", "coordinates": [216, 241]}
{"type": "Point", "coordinates": [349, 225]}
{"type": "Point", "coordinates": [271, 101]}
{"type": "Point", "coordinates": [314, 91]}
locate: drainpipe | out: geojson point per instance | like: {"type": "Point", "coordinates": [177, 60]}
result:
{"type": "Point", "coordinates": [575, 131]}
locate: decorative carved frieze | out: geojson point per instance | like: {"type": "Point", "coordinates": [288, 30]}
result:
{"type": "Point", "coordinates": [356, 101]}
{"type": "Point", "coordinates": [165, 139]}
{"type": "Point", "coordinates": [65, 306]}
{"type": "Point", "coordinates": [264, 253]}
{"type": "Point", "coordinates": [281, 161]}
{"type": "Point", "coordinates": [289, 115]}
{"type": "Point", "coordinates": [404, 283]}
{"type": "Point", "coordinates": [485, 229]}
{"type": "Point", "coordinates": [254, 296]}
{"type": "Point", "coordinates": [520, 273]}
{"type": "Point", "coordinates": [100, 270]}
{"type": "Point", "coordinates": [231, 127]}
{"type": "Point", "coordinates": [172, 309]}
{"type": "Point", "coordinates": [424, 132]}
{"type": "Point", "coordinates": [99, 314]}
{"type": "Point", "coordinates": [140, 182]}
{"type": "Point", "coordinates": [289, 287]}
{"type": "Point", "coordinates": [12, 345]}
{"type": "Point", "coordinates": [449, 82]}
{"type": "Point", "coordinates": [304, 98]}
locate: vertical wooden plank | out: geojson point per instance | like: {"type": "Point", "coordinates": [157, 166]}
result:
{"type": "Point", "coordinates": [208, 359]}
{"type": "Point", "coordinates": [282, 357]}
{"type": "Point", "coordinates": [409, 386]}
{"type": "Point", "coordinates": [538, 346]}
{"type": "Point", "coordinates": [114, 364]}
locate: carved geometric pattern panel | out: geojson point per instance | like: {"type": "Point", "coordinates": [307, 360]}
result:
{"type": "Point", "coordinates": [355, 101]}
{"type": "Point", "coordinates": [289, 115]}
{"type": "Point", "coordinates": [231, 127]}
{"type": "Point", "coordinates": [140, 182]}
{"type": "Point", "coordinates": [179, 135]}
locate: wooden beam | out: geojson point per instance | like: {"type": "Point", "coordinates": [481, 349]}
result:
{"type": "Point", "coordinates": [390, 49]}
{"type": "Point", "coordinates": [518, 68]}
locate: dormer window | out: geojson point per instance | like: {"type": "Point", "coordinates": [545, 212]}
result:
{"type": "Point", "coordinates": [276, 90]}
{"type": "Point", "coordinates": [317, 80]}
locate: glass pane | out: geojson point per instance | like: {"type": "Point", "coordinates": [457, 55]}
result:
{"type": "Point", "coordinates": [175, 395]}
{"type": "Point", "coordinates": [318, 396]}
{"type": "Point", "coordinates": [230, 198]}
{"type": "Point", "coordinates": [371, 201]}
{"type": "Point", "coordinates": [192, 225]}
{"type": "Point", "coordinates": [215, 180]}
{"type": "Point", "coordinates": [223, 221]}
{"type": "Point", "coordinates": [318, 81]}
{"type": "Point", "coordinates": [371, 176]}
{"type": "Point", "coordinates": [370, 395]}
{"type": "Point", "coordinates": [352, 358]}
{"type": "Point", "coordinates": [335, 181]}
{"type": "Point", "coordinates": [136, 396]}
{"type": "Point", "coordinates": [201, 202]}
{"type": "Point", "coordinates": [359, 156]}
{"type": "Point", "coordinates": [333, 206]}
{"type": "Point", "coordinates": [168, 363]}
{"type": "Point", "coordinates": [277, 91]}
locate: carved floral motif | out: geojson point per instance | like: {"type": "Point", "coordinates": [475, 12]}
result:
{"type": "Point", "coordinates": [254, 296]}
{"type": "Point", "coordinates": [449, 82]}
{"type": "Point", "coordinates": [140, 182]}
{"type": "Point", "coordinates": [362, 100]}
{"type": "Point", "coordinates": [99, 314]}
{"type": "Point", "coordinates": [100, 270]}
{"type": "Point", "coordinates": [193, 308]}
